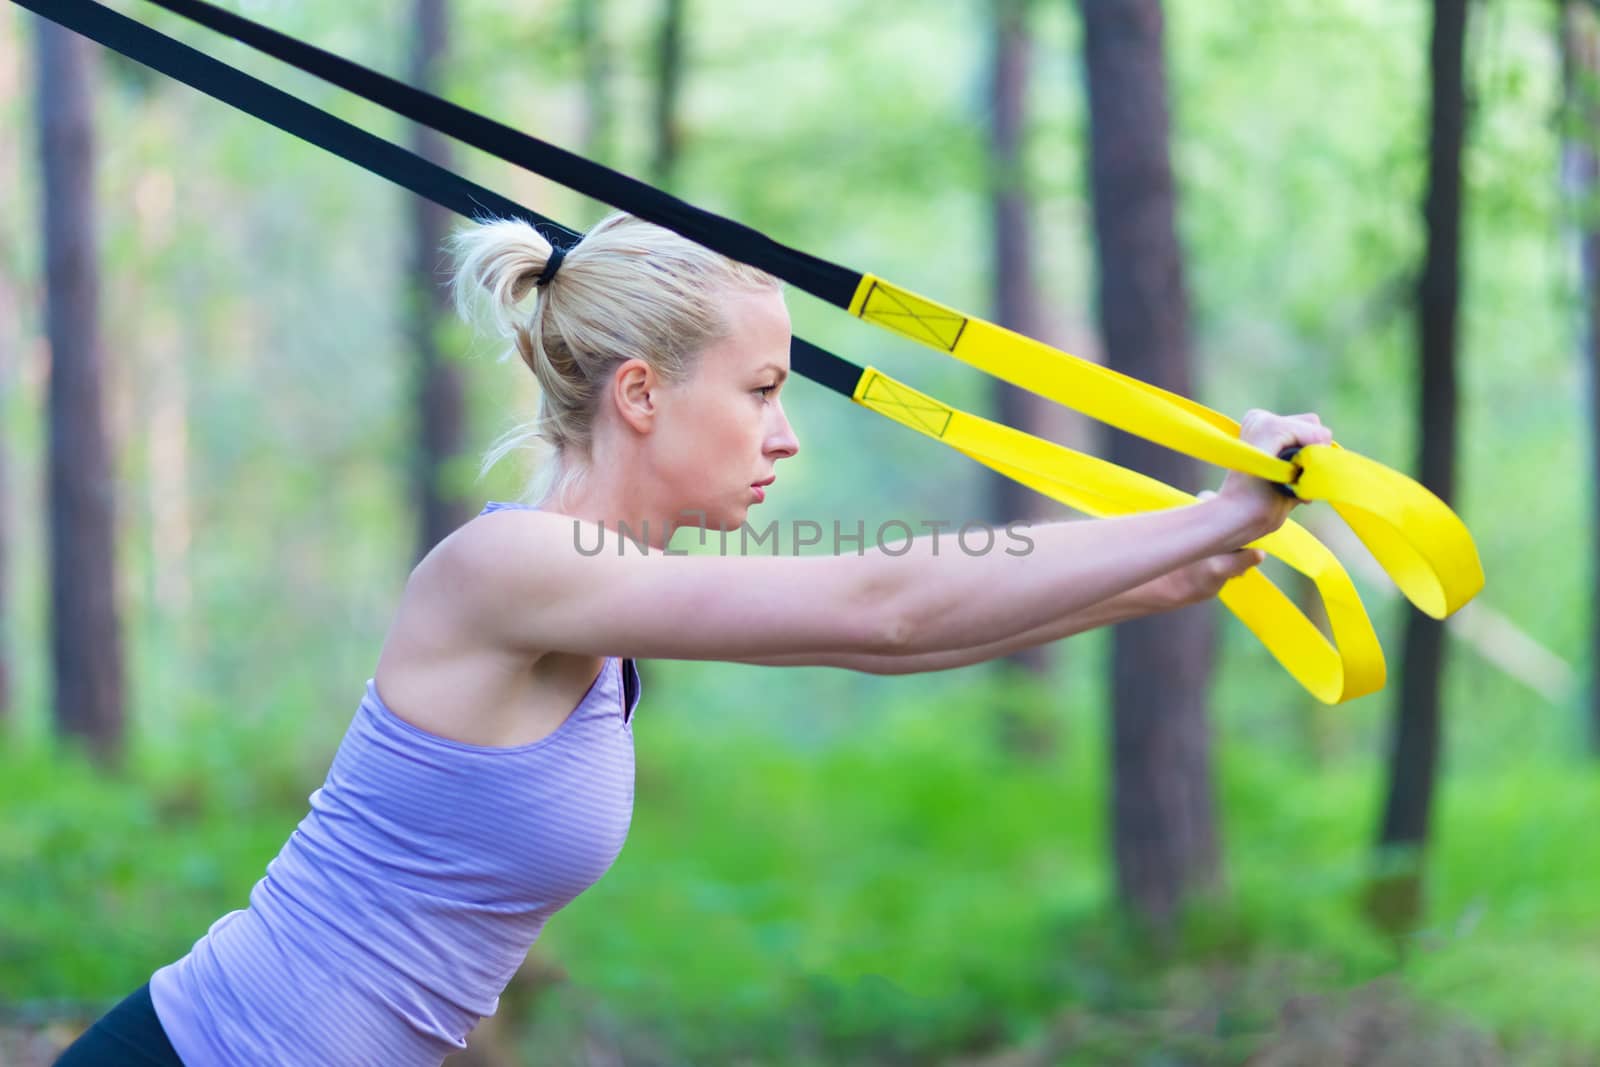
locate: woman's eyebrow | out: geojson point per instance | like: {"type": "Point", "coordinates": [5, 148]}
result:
{"type": "Point", "coordinates": [783, 372]}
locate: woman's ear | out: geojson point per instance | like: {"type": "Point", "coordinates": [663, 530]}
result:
{"type": "Point", "coordinates": [634, 390]}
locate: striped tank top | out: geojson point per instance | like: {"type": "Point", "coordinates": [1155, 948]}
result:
{"type": "Point", "coordinates": [408, 896]}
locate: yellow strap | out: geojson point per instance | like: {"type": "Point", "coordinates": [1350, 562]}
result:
{"type": "Point", "coordinates": [1422, 545]}
{"type": "Point", "coordinates": [1351, 665]}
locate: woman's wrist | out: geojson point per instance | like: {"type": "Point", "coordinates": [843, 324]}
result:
{"type": "Point", "coordinates": [1236, 520]}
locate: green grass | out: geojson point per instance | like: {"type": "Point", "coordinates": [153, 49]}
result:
{"type": "Point", "coordinates": [904, 892]}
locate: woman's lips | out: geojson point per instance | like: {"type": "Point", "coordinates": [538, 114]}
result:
{"type": "Point", "coordinates": [761, 494]}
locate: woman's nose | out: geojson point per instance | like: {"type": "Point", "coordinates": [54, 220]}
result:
{"type": "Point", "coordinates": [783, 443]}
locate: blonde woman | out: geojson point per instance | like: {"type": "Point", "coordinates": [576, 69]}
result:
{"type": "Point", "coordinates": [487, 777]}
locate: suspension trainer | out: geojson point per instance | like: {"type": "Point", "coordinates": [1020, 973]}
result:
{"type": "Point", "coordinates": [1415, 537]}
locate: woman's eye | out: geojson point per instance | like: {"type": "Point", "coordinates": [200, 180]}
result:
{"type": "Point", "coordinates": [765, 389]}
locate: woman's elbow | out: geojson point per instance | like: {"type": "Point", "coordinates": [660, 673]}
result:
{"type": "Point", "coordinates": [883, 625]}
{"type": "Point", "coordinates": [888, 633]}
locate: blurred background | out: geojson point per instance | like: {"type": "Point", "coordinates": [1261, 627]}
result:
{"type": "Point", "coordinates": [234, 412]}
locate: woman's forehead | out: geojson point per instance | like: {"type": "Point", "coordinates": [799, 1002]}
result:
{"type": "Point", "coordinates": [758, 333]}
{"type": "Point", "coordinates": [759, 313]}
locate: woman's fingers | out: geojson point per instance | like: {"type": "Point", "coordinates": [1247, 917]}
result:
{"type": "Point", "coordinates": [1205, 578]}
{"type": "Point", "coordinates": [1273, 433]}
{"type": "Point", "coordinates": [1240, 560]}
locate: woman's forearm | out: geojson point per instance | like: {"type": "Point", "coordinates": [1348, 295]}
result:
{"type": "Point", "coordinates": [1150, 598]}
{"type": "Point", "coordinates": [952, 602]}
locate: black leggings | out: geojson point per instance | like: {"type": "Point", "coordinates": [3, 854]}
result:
{"type": "Point", "coordinates": [129, 1035]}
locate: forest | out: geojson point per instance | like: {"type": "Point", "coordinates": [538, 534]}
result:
{"type": "Point", "coordinates": [237, 408]}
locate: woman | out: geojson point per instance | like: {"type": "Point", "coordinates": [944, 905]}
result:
{"type": "Point", "coordinates": [487, 777]}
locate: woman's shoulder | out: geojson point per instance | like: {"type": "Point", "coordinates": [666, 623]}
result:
{"type": "Point", "coordinates": [503, 533]}
{"type": "Point", "coordinates": [504, 558]}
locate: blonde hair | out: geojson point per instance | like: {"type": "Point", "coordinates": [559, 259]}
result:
{"type": "Point", "coordinates": [629, 289]}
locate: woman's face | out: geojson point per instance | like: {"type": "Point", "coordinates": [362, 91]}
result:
{"type": "Point", "coordinates": [722, 430]}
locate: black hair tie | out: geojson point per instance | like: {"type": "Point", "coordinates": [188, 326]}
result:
{"type": "Point", "coordinates": [553, 264]}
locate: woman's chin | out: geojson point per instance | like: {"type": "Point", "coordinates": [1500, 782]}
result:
{"type": "Point", "coordinates": [727, 519]}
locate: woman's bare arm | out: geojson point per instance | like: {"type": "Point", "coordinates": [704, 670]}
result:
{"type": "Point", "coordinates": [1189, 585]}
{"type": "Point", "coordinates": [521, 580]}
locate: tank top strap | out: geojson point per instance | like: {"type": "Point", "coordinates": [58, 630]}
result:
{"type": "Point", "coordinates": [507, 505]}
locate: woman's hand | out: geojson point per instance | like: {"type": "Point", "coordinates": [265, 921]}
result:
{"type": "Point", "coordinates": [1204, 578]}
{"type": "Point", "coordinates": [1265, 507]}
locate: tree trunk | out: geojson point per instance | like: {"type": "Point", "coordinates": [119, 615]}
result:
{"type": "Point", "coordinates": [11, 348]}
{"type": "Point", "coordinates": [1414, 753]}
{"type": "Point", "coordinates": [10, 361]}
{"type": "Point", "coordinates": [1163, 814]}
{"type": "Point", "coordinates": [1015, 286]}
{"type": "Point", "coordinates": [599, 118]}
{"type": "Point", "coordinates": [1580, 55]}
{"type": "Point", "coordinates": [85, 633]}
{"type": "Point", "coordinates": [669, 79]}
{"type": "Point", "coordinates": [439, 390]}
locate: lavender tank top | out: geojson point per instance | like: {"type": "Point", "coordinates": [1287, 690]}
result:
{"type": "Point", "coordinates": [409, 895]}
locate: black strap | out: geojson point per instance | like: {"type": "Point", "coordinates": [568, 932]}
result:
{"type": "Point", "coordinates": [387, 160]}
{"type": "Point", "coordinates": [822, 279]}
{"type": "Point", "coordinates": [288, 113]}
